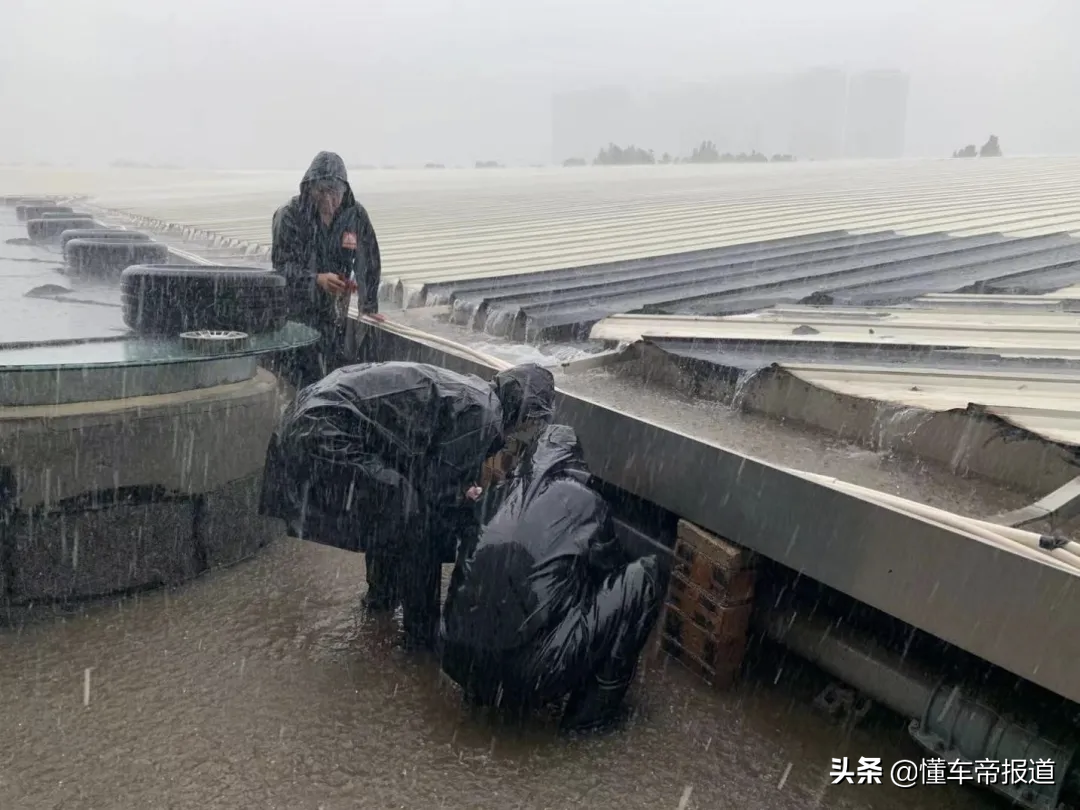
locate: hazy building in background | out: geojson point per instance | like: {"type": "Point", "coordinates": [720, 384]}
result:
{"type": "Point", "coordinates": [818, 105]}
{"type": "Point", "coordinates": [877, 105]}
{"type": "Point", "coordinates": [820, 114]}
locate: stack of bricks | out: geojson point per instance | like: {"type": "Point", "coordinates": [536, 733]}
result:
{"type": "Point", "coordinates": [706, 614]}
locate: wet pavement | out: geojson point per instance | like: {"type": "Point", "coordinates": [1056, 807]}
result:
{"type": "Point", "coordinates": [268, 686]}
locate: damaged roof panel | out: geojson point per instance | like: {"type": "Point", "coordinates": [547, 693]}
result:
{"type": "Point", "coordinates": [1040, 333]}
{"type": "Point", "coordinates": [1018, 364]}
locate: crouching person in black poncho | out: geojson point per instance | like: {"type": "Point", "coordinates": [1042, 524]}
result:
{"type": "Point", "coordinates": [543, 604]}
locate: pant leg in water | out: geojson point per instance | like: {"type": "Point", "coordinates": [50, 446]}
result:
{"type": "Point", "coordinates": [389, 512]}
{"type": "Point", "coordinates": [384, 586]}
{"type": "Point", "coordinates": [363, 344]}
{"type": "Point", "coordinates": [627, 607]}
{"type": "Point", "coordinates": [420, 579]}
{"type": "Point", "coordinates": [421, 572]}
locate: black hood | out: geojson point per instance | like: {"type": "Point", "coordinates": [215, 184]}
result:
{"type": "Point", "coordinates": [327, 166]}
{"type": "Point", "coordinates": [557, 446]}
{"type": "Point", "coordinates": [557, 452]}
{"type": "Point", "coordinates": [525, 392]}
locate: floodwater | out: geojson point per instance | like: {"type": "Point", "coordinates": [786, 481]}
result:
{"type": "Point", "coordinates": [267, 686]}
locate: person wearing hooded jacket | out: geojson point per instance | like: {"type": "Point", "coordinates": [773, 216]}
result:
{"type": "Point", "coordinates": [383, 458]}
{"type": "Point", "coordinates": [324, 245]}
{"type": "Point", "coordinates": [544, 604]}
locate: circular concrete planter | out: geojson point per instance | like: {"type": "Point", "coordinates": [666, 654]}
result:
{"type": "Point", "coordinates": [103, 498]}
{"type": "Point", "coordinates": [28, 211]}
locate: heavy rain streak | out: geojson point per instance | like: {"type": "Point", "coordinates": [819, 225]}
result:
{"type": "Point", "coordinates": [553, 405]}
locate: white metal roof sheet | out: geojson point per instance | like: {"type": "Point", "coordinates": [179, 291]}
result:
{"type": "Point", "coordinates": [453, 224]}
{"type": "Point", "coordinates": [1053, 334]}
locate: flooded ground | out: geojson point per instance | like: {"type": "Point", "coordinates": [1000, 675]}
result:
{"type": "Point", "coordinates": [267, 686]}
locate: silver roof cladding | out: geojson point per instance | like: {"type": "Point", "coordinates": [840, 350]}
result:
{"type": "Point", "coordinates": [441, 225]}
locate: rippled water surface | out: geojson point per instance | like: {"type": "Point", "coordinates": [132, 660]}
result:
{"type": "Point", "coordinates": [267, 686]}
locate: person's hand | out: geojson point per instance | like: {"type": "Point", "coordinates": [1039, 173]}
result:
{"type": "Point", "coordinates": [474, 493]}
{"type": "Point", "coordinates": [378, 317]}
{"type": "Point", "coordinates": [331, 283]}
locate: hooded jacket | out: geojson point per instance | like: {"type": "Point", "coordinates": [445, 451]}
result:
{"type": "Point", "coordinates": [391, 425]}
{"type": "Point", "coordinates": [544, 602]}
{"type": "Point", "coordinates": [539, 559]}
{"type": "Point", "coordinates": [303, 247]}
{"type": "Point", "coordinates": [525, 392]}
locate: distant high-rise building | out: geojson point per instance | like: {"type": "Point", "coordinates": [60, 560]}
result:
{"type": "Point", "coordinates": [818, 104]}
{"type": "Point", "coordinates": [876, 114]}
{"type": "Point", "coordinates": [815, 115]}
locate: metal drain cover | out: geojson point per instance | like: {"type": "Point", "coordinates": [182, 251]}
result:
{"type": "Point", "coordinates": [211, 341]}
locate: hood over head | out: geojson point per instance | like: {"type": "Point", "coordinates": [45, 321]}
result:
{"type": "Point", "coordinates": [557, 449]}
{"type": "Point", "coordinates": [526, 392]}
{"type": "Point", "coordinates": [327, 166]}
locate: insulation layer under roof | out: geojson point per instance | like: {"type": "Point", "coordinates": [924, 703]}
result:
{"type": "Point", "coordinates": [443, 225]}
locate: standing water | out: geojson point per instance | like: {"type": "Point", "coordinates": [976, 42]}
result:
{"type": "Point", "coordinates": [267, 686]}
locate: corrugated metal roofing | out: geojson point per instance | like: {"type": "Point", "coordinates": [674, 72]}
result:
{"type": "Point", "coordinates": [1020, 364]}
{"type": "Point", "coordinates": [831, 267]}
{"type": "Point", "coordinates": [467, 224]}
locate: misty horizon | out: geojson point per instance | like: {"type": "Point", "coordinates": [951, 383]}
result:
{"type": "Point", "coordinates": [239, 85]}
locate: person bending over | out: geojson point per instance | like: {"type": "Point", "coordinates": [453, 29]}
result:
{"type": "Point", "coordinates": [384, 458]}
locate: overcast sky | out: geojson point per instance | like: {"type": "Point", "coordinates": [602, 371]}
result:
{"type": "Point", "coordinates": [245, 84]}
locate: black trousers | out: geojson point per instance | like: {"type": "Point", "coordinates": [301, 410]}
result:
{"type": "Point", "coordinates": [309, 364]}
{"type": "Point", "coordinates": [410, 573]}
{"type": "Point", "coordinates": [340, 344]}
{"type": "Point", "coordinates": [409, 577]}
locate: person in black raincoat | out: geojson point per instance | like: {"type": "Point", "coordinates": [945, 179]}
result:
{"type": "Point", "coordinates": [544, 604]}
{"type": "Point", "coordinates": [325, 246]}
{"type": "Point", "coordinates": [384, 458]}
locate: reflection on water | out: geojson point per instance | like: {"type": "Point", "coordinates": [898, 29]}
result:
{"type": "Point", "coordinates": [268, 687]}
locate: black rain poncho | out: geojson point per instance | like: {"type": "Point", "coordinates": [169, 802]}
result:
{"type": "Point", "coordinates": [544, 603]}
{"type": "Point", "coordinates": [374, 448]}
{"type": "Point", "coordinates": [302, 247]}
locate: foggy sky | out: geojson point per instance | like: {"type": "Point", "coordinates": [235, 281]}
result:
{"type": "Point", "coordinates": [244, 84]}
